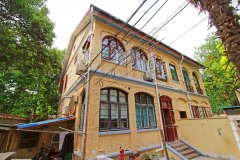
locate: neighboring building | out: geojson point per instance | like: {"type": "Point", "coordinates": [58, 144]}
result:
{"type": "Point", "coordinates": [26, 139]}
{"type": "Point", "coordinates": [125, 90]}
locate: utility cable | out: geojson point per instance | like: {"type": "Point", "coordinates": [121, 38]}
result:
{"type": "Point", "coordinates": [181, 8]}
{"type": "Point", "coordinates": [188, 30]}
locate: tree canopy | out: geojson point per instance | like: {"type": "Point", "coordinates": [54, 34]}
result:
{"type": "Point", "coordinates": [29, 66]}
{"type": "Point", "coordinates": [220, 75]}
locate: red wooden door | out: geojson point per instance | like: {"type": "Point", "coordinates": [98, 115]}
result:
{"type": "Point", "coordinates": [168, 119]}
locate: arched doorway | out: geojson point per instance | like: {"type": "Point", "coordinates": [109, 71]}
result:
{"type": "Point", "coordinates": [168, 119]}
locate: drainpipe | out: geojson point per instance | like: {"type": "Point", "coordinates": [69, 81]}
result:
{"type": "Point", "coordinates": [87, 83]}
{"type": "Point", "coordinates": [186, 91]}
{"type": "Point", "coordinates": [159, 109]}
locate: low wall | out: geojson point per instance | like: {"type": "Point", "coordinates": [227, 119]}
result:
{"type": "Point", "coordinates": [213, 136]}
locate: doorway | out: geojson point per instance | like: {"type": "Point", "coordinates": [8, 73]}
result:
{"type": "Point", "coordinates": [170, 131]}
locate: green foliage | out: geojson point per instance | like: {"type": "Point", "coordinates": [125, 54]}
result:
{"type": "Point", "coordinates": [29, 67]}
{"type": "Point", "coordinates": [219, 77]}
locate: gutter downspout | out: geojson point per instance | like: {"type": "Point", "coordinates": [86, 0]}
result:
{"type": "Point", "coordinates": [87, 83]}
{"type": "Point", "coordinates": [160, 125]}
{"type": "Point", "coordinates": [186, 91]}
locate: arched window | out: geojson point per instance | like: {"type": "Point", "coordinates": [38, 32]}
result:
{"type": "Point", "coordinates": [112, 50]}
{"type": "Point", "coordinates": [113, 110]}
{"type": "Point", "coordinates": [145, 112]}
{"type": "Point", "coordinates": [161, 70]}
{"type": "Point", "coordinates": [139, 59]}
{"type": "Point", "coordinates": [187, 81]}
{"type": "Point", "coordinates": [197, 85]}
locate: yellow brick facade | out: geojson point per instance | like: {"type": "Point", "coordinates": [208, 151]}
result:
{"type": "Point", "coordinates": [131, 82]}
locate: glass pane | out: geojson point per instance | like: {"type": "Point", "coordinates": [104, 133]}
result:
{"type": "Point", "coordinates": [138, 61]}
{"type": "Point", "coordinates": [113, 95]}
{"type": "Point", "coordinates": [124, 116]}
{"type": "Point", "coordinates": [105, 49]}
{"type": "Point", "coordinates": [104, 111]}
{"type": "Point", "coordinates": [150, 100]}
{"type": "Point", "coordinates": [186, 78]}
{"type": "Point", "coordinates": [122, 97]}
{"type": "Point", "coordinates": [144, 63]}
{"type": "Point", "coordinates": [143, 98]}
{"type": "Point", "coordinates": [133, 58]}
{"type": "Point", "coordinates": [104, 95]}
{"type": "Point", "coordinates": [201, 112]}
{"type": "Point", "coordinates": [137, 98]}
{"type": "Point", "coordinates": [104, 117]}
{"type": "Point", "coordinates": [173, 72]}
{"type": "Point", "coordinates": [114, 116]}
{"type": "Point", "coordinates": [138, 116]}
{"type": "Point", "coordinates": [144, 117]}
{"type": "Point", "coordinates": [151, 115]}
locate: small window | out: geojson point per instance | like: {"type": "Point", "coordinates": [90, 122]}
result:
{"type": "Point", "coordinates": [145, 111]}
{"type": "Point", "coordinates": [195, 111]}
{"type": "Point", "coordinates": [55, 138]}
{"type": "Point", "coordinates": [113, 110]}
{"type": "Point", "coordinates": [29, 139]}
{"type": "Point", "coordinates": [173, 72]}
{"type": "Point", "coordinates": [183, 114]}
{"type": "Point", "coordinates": [139, 59]}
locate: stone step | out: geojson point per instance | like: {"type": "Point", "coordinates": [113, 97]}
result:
{"type": "Point", "coordinates": [176, 144]}
{"type": "Point", "coordinates": [187, 151]}
{"type": "Point", "coordinates": [183, 147]}
{"type": "Point", "coordinates": [192, 155]}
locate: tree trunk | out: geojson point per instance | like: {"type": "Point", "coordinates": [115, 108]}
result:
{"type": "Point", "coordinates": [222, 16]}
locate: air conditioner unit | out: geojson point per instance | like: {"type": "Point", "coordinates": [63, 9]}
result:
{"type": "Point", "coordinates": [148, 76]}
{"type": "Point", "coordinates": [161, 76]}
{"type": "Point", "coordinates": [80, 68]}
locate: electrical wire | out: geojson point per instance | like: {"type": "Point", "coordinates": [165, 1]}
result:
{"type": "Point", "coordinates": [188, 31]}
{"type": "Point", "coordinates": [173, 15]}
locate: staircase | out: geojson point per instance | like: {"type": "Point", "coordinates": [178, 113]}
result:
{"type": "Point", "coordinates": [185, 151]}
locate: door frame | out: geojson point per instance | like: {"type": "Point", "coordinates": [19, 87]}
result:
{"type": "Point", "coordinates": [170, 131]}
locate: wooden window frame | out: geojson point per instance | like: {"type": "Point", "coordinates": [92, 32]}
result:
{"type": "Point", "coordinates": [195, 111]}
{"type": "Point", "coordinates": [140, 105]}
{"type": "Point", "coordinates": [112, 50]}
{"type": "Point", "coordinates": [159, 68]}
{"type": "Point", "coordinates": [134, 52]}
{"type": "Point", "coordinates": [119, 106]}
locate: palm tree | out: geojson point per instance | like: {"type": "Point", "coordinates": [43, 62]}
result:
{"type": "Point", "coordinates": [223, 16]}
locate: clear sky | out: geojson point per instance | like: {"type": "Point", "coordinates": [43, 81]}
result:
{"type": "Point", "coordinates": [66, 14]}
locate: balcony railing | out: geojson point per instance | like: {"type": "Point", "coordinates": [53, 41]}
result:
{"type": "Point", "coordinates": [199, 91]}
{"type": "Point", "coordinates": [190, 88]}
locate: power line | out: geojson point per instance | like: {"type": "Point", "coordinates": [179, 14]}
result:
{"type": "Point", "coordinates": [126, 23]}
{"type": "Point", "coordinates": [172, 16]}
{"type": "Point", "coordinates": [103, 62]}
{"type": "Point", "coordinates": [188, 31]}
